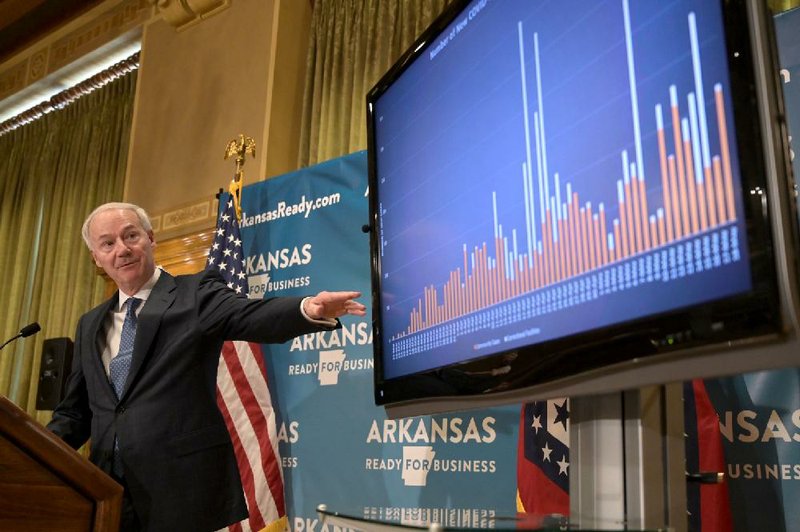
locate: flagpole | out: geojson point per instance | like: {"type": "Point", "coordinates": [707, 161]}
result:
{"type": "Point", "coordinates": [239, 147]}
{"type": "Point", "coordinates": [243, 394]}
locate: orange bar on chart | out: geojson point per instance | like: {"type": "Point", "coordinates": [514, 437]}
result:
{"type": "Point", "coordinates": [480, 282]}
{"type": "Point", "coordinates": [691, 186]}
{"type": "Point", "coordinates": [684, 199]}
{"type": "Point", "coordinates": [486, 276]}
{"type": "Point", "coordinates": [718, 187]}
{"type": "Point", "coordinates": [527, 273]}
{"type": "Point", "coordinates": [630, 222]}
{"type": "Point", "coordinates": [587, 261]}
{"type": "Point", "coordinates": [598, 252]}
{"type": "Point", "coordinates": [500, 269]}
{"type": "Point", "coordinates": [725, 152]}
{"type": "Point", "coordinates": [653, 231]}
{"type": "Point", "coordinates": [665, 186]}
{"type": "Point", "coordinates": [678, 161]}
{"type": "Point", "coordinates": [460, 310]}
{"type": "Point", "coordinates": [701, 205]}
{"type": "Point", "coordinates": [676, 214]}
{"type": "Point", "coordinates": [573, 256]}
{"type": "Point", "coordinates": [549, 249]}
{"type": "Point", "coordinates": [538, 265]}
{"type": "Point", "coordinates": [590, 232]}
{"type": "Point", "coordinates": [604, 240]}
{"type": "Point", "coordinates": [562, 268]}
{"type": "Point", "coordinates": [622, 238]}
{"type": "Point", "coordinates": [710, 197]}
{"type": "Point", "coordinates": [567, 247]}
{"type": "Point", "coordinates": [643, 218]}
{"type": "Point", "coordinates": [578, 238]}
{"type": "Point", "coordinates": [636, 210]}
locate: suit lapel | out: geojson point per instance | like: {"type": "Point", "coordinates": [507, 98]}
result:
{"type": "Point", "coordinates": [98, 341]}
{"type": "Point", "coordinates": [148, 322]}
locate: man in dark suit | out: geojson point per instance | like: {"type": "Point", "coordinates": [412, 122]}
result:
{"type": "Point", "coordinates": [157, 428]}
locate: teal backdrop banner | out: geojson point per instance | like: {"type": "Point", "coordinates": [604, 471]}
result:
{"type": "Point", "coordinates": [759, 415]}
{"type": "Point", "coordinates": [302, 233]}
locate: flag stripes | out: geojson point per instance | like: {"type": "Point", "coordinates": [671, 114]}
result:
{"type": "Point", "coordinates": [243, 396]}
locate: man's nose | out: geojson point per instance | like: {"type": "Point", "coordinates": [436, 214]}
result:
{"type": "Point", "coordinates": [120, 247]}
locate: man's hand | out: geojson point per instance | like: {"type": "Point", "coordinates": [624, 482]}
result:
{"type": "Point", "coordinates": [333, 304]}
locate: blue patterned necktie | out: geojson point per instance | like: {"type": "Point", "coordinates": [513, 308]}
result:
{"type": "Point", "coordinates": [121, 364]}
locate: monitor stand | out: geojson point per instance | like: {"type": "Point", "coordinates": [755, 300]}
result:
{"type": "Point", "coordinates": [627, 460]}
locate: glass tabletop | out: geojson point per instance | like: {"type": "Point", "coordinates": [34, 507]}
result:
{"type": "Point", "coordinates": [410, 519]}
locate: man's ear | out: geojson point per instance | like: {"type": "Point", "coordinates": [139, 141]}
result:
{"type": "Point", "coordinates": [152, 237]}
{"type": "Point", "coordinates": [94, 258]}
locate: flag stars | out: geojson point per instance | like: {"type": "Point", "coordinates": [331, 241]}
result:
{"type": "Point", "coordinates": [546, 451]}
{"type": "Point", "coordinates": [562, 413]}
{"type": "Point", "coordinates": [226, 252]}
{"type": "Point", "coordinates": [537, 423]}
{"type": "Point", "coordinates": [542, 448]}
{"type": "Point", "coordinates": [562, 466]}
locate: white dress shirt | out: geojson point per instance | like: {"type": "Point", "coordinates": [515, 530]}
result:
{"type": "Point", "coordinates": [115, 318]}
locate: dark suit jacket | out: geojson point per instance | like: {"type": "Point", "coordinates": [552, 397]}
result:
{"type": "Point", "coordinates": [177, 455]}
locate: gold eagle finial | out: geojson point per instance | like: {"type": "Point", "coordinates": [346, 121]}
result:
{"type": "Point", "coordinates": [240, 148]}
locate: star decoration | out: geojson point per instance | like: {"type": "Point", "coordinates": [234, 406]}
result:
{"type": "Point", "coordinates": [546, 451]}
{"type": "Point", "coordinates": [537, 423]}
{"type": "Point", "coordinates": [225, 253]}
{"type": "Point", "coordinates": [562, 465]}
{"type": "Point", "coordinates": [562, 414]}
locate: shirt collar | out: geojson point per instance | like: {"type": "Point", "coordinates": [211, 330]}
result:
{"type": "Point", "coordinates": [143, 293]}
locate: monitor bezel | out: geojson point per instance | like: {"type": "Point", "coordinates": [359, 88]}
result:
{"type": "Point", "coordinates": [763, 316]}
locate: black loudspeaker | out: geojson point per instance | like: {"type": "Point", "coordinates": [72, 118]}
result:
{"type": "Point", "coordinates": [53, 372]}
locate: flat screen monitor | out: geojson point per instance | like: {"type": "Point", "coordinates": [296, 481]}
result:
{"type": "Point", "coordinates": [561, 190]}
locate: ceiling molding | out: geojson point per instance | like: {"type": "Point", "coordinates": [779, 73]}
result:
{"type": "Point", "coordinates": [181, 14]}
{"type": "Point", "coordinates": [61, 52]}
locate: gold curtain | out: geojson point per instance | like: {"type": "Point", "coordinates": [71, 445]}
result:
{"type": "Point", "coordinates": [779, 6]}
{"type": "Point", "coordinates": [352, 44]}
{"type": "Point", "coordinates": [53, 172]}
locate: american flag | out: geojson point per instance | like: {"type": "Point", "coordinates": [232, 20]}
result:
{"type": "Point", "coordinates": [243, 395]}
{"type": "Point", "coordinates": [543, 458]}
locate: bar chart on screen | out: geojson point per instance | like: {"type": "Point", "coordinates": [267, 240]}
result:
{"type": "Point", "coordinates": [666, 218]}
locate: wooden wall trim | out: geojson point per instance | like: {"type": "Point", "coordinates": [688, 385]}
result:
{"type": "Point", "coordinates": [185, 254]}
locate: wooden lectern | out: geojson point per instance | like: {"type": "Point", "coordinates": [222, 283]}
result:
{"type": "Point", "coordinates": [46, 485]}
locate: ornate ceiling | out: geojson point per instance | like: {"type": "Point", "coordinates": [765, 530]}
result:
{"type": "Point", "coordinates": [22, 22]}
